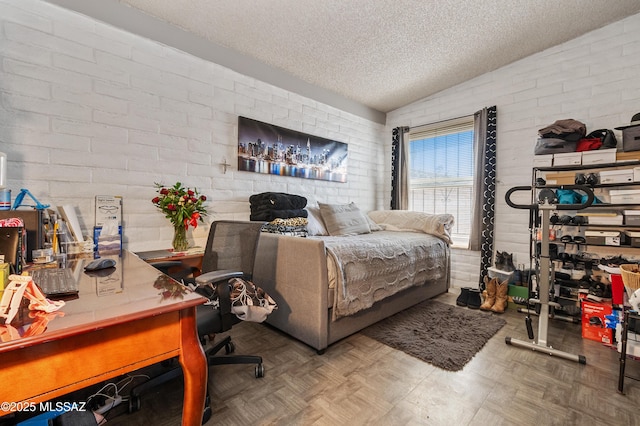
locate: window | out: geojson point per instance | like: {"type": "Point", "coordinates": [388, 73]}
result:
{"type": "Point", "coordinates": [441, 172]}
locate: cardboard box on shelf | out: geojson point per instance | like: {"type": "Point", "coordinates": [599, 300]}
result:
{"type": "Point", "coordinates": [560, 178]}
{"type": "Point", "coordinates": [632, 217]}
{"type": "Point", "coordinates": [616, 176]}
{"type": "Point", "coordinates": [603, 218]}
{"type": "Point", "coordinates": [599, 156]}
{"type": "Point", "coordinates": [634, 238]}
{"type": "Point", "coordinates": [625, 196]}
{"type": "Point", "coordinates": [627, 156]}
{"type": "Point", "coordinates": [567, 159]}
{"type": "Point", "coordinates": [593, 321]}
{"type": "Point", "coordinates": [545, 160]}
{"type": "Point", "coordinates": [607, 238]}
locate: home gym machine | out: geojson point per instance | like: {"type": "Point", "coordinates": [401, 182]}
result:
{"type": "Point", "coordinates": [539, 212]}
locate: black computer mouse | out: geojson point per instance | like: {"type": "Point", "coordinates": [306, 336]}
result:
{"type": "Point", "coordinates": [101, 263]}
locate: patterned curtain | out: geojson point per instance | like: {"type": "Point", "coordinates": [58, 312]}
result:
{"type": "Point", "coordinates": [481, 237]}
{"type": "Point", "coordinates": [399, 184]}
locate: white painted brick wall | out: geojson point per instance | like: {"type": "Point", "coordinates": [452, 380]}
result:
{"type": "Point", "coordinates": [87, 109]}
{"type": "Point", "coordinates": [593, 78]}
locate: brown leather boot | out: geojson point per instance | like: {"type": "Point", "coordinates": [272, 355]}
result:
{"type": "Point", "coordinates": [502, 289]}
{"type": "Point", "coordinates": [491, 294]}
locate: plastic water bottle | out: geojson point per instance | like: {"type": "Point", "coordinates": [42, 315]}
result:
{"type": "Point", "coordinates": [3, 170]}
{"type": "Point", "coordinates": [5, 194]}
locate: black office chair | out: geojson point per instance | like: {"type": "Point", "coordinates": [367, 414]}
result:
{"type": "Point", "coordinates": [230, 252]}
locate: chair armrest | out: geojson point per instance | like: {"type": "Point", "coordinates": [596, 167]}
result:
{"type": "Point", "coordinates": [165, 265]}
{"type": "Point", "coordinates": [219, 280]}
{"type": "Point", "coordinates": [215, 276]}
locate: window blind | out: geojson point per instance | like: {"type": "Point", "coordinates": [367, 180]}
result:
{"type": "Point", "coordinates": [441, 171]}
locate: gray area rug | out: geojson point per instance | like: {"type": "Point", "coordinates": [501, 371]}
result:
{"type": "Point", "coordinates": [445, 336]}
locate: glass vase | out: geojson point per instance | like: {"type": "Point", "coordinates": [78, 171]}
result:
{"type": "Point", "coordinates": [180, 238]}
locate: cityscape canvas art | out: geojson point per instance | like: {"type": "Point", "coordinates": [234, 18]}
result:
{"type": "Point", "coordinates": [270, 149]}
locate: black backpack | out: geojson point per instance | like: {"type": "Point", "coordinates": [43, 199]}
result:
{"type": "Point", "coordinates": [606, 136]}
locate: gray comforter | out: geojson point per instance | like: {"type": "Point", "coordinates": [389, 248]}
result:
{"type": "Point", "coordinates": [377, 265]}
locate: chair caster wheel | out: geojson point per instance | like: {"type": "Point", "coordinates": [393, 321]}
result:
{"type": "Point", "coordinates": [206, 415]}
{"type": "Point", "coordinates": [229, 348]}
{"type": "Point", "coordinates": [134, 404]}
{"type": "Point", "coordinates": [207, 412]}
{"type": "Point", "coordinates": [259, 371]}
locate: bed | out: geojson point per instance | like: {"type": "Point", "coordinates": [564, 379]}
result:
{"type": "Point", "coordinates": [355, 271]}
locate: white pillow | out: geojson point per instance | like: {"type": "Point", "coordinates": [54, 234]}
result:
{"type": "Point", "coordinates": [373, 226]}
{"type": "Point", "coordinates": [439, 225]}
{"type": "Point", "coordinates": [315, 225]}
{"type": "Point", "coordinates": [344, 219]}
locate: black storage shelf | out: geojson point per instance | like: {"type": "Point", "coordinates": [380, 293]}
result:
{"type": "Point", "coordinates": [588, 166]}
{"type": "Point", "coordinates": [610, 206]}
{"type": "Point", "coordinates": [593, 225]}
{"type": "Point", "coordinates": [567, 289]}
{"type": "Point", "coordinates": [623, 246]}
{"type": "Point", "coordinates": [599, 185]}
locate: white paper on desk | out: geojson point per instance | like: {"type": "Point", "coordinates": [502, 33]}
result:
{"type": "Point", "coordinates": [68, 213]}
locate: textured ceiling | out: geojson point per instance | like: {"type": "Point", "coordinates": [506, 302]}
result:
{"type": "Point", "coordinates": [385, 54]}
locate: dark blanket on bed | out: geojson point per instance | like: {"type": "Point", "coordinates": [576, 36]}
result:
{"type": "Point", "coordinates": [277, 201]}
{"type": "Point", "coordinates": [268, 206]}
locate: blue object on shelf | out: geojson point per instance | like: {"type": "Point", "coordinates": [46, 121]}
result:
{"type": "Point", "coordinates": [611, 321]}
{"type": "Point", "coordinates": [18, 201]}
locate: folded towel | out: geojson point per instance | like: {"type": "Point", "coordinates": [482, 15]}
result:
{"type": "Point", "coordinates": [296, 227]}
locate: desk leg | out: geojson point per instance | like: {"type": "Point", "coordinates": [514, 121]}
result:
{"type": "Point", "coordinates": [194, 367]}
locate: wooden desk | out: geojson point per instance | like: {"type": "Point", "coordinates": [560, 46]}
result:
{"type": "Point", "coordinates": [119, 323]}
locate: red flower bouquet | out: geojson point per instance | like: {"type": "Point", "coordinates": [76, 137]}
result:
{"type": "Point", "coordinates": [183, 207]}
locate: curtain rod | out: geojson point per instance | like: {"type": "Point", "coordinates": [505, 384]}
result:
{"type": "Point", "coordinates": [448, 119]}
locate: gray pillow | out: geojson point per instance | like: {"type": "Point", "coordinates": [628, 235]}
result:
{"type": "Point", "coordinates": [344, 219]}
{"type": "Point", "coordinates": [315, 225]}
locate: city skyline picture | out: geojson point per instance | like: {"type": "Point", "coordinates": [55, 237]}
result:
{"type": "Point", "coordinates": [270, 149]}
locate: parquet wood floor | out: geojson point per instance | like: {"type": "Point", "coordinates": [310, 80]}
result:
{"type": "Point", "coordinates": [359, 381]}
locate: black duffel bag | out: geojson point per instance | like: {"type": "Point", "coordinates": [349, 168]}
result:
{"type": "Point", "coordinates": [554, 146]}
